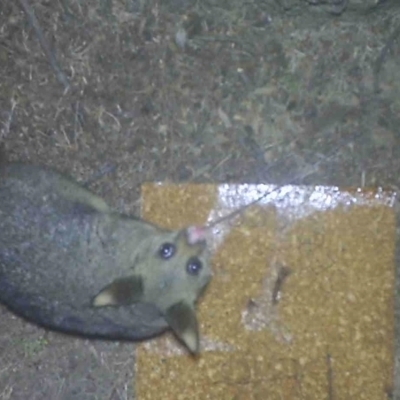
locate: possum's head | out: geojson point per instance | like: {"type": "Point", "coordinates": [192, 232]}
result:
{"type": "Point", "coordinates": [170, 270]}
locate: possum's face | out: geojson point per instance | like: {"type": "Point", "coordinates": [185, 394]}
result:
{"type": "Point", "coordinates": [177, 267]}
{"type": "Point", "coordinates": [171, 270]}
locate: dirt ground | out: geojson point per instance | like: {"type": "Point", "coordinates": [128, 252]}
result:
{"type": "Point", "coordinates": [272, 91]}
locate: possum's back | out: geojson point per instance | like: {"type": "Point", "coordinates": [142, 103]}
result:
{"type": "Point", "coordinates": [40, 208]}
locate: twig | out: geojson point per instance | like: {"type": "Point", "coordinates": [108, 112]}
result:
{"type": "Point", "coordinates": [329, 376]}
{"type": "Point", "coordinates": [298, 179]}
{"type": "Point", "coordinates": [43, 43]}
{"type": "Point", "coordinates": [7, 125]}
{"type": "Point", "coordinates": [382, 57]}
{"type": "Point", "coordinates": [283, 273]}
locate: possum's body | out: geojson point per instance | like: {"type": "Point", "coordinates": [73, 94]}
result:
{"type": "Point", "coordinates": [60, 246]}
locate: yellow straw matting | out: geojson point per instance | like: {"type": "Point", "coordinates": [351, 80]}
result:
{"type": "Point", "coordinates": [300, 305]}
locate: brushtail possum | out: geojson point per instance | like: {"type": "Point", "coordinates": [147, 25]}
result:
{"type": "Point", "coordinates": [69, 263]}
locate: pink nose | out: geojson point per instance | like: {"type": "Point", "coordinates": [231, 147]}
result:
{"type": "Point", "coordinates": [196, 234]}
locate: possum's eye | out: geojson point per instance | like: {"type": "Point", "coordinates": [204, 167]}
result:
{"type": "Point", "coordinates": [193, 266]}
{"type": "Point", "coordinates": [166, 251]}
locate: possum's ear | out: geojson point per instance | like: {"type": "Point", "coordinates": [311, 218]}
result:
{"type": "Point", "coordinates": [181, 317]}
{"type": "Point", "coordinates": [121, 292]}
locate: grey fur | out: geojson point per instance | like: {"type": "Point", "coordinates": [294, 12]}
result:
{"type": "Point", "coordinates": [61, 246]}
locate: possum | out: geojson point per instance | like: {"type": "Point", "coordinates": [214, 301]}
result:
{"type": "Point", "coordinates": [69, 263]}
